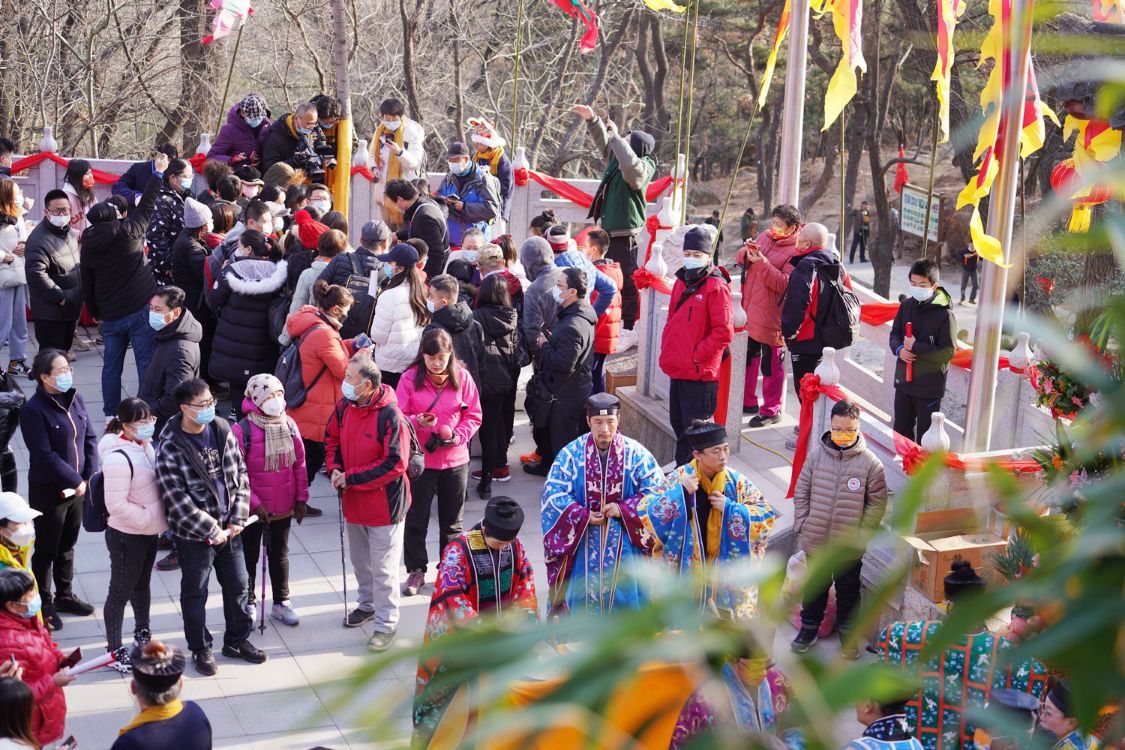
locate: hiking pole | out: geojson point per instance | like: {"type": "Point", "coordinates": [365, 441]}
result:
{"type": "Point", "coordinates": [262, 599]}
{"type": "Point", "coordinates": [343, 563]}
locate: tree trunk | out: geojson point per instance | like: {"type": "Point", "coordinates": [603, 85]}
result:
{"type": "Point", "coordinates": [809, 199]}
{"type": "Point", "coordinates": [654, 76]}
{"type": "Point", "coordinates": [409, 76]}
{"type": "Point", "coordinates": [879, 90]}
{"type": "Point", "coordinates": [199, 71]}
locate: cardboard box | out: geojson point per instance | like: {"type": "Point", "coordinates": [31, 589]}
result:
{"type": "Point", "coordinates": [613, 381]}
{"type": "Point", "coordinates": [943, 536]}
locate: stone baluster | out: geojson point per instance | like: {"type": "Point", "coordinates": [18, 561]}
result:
{"type": "Point", "coordinates": [829, 373]}
{"type": "Point", "coordinates": [936, 439]}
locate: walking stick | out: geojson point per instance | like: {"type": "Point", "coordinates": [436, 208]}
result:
{"type": "Point", "coordinates": [343, 563]}
{"type": "Point", "coordinates": [262, 598]}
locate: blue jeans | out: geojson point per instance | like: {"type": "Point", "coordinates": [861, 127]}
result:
{"type": "Point", "coordinates": [196, 561]}
{"type": "Point", "coordinates": [13, 320]}
{"type": "Point", "coordinates": [118, 334]}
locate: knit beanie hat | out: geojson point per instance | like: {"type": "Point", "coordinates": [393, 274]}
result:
{"type": "Point", "coordinates": [308, 229]}
{"type": "Point", "coordinates": [262, 386]}
{"type": "Point", "coordinates": [559, 238]}
{"type": "Point", "coordinates": [698, 239]}
{"type": "Point", "coordinates": [196, 214]}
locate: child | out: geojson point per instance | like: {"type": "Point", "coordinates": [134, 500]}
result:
{"type": "Point", "coordinates": [840, 492]}
{"type": "Point", "coordinates": [886, 726]}
{"type": "Point", "coordinates": [608, 330]}
{"type": "Point", "coordinates": [279, 486]}
{"type": "Point", "coordinates": [923, 351]}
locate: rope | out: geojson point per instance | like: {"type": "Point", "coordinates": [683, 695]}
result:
{"type": "Point", "coordinates": [738, 163]}
{"type": "Point", "coordinates": [516, 77]}
{"type": "Point", "coordinates": [683, 80]}
{"type": "Point", "coordinates": [690, 102]}
{"type": "Point", "coordinates": [766, 448]}
{"type": "Point", "coordinates": [230, 73]}
{"type": "Point", "coordinates": [930, 191]}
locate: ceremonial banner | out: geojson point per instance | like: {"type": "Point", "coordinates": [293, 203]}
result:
{"type": "Point", "coordinates": [948, 14]}
{"type": "Point", "coordinates": [577, 9]}
{"type": "Point", "coordinates": [847, 20]}
{"type": "Point", "coordinates": [230, 13]}
{"type": "Point", "coordinates": [665, 5]}
{"type": "Point", "coordinates": [901, 177]}
{"type": "Point", "coordinates": [771, 63]}
{"type": "Point", "coordinates": [1109, 11]}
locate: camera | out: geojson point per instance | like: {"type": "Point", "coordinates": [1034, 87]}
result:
{"type": "Point", "coordinates": [316, 157]}
{"type": "Point", "coordinates": [434, 442]}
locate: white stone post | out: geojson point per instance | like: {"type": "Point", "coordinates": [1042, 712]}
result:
{"type": "Point", "coordinates": [197, 181]}
{"type": "Point", "coordinates": [521, 201]}
{"type": "Point", "coordinates": [361, 205]}
{"type": "Point", "coordinates": [829, 373]}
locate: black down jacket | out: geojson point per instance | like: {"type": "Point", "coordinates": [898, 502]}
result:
{"type": "Point", "coordinates": [243, 346]}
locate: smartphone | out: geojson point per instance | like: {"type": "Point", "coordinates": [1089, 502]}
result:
{"type": "Point", "coordinates": [68, 744]}
{"type": "Point", "coordinates": [72, 660]}
{"type": "Point", "coordinates": [362, 341]}
{"type": "Point", "coordinates": [428, 416]}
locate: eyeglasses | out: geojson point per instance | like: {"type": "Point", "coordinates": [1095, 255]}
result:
{"type": "Point", "coordinates": [59, 211]}
{"type": "Point", "coordinates": [204, 405]}
{"type": "Point", "coordinates": [64, 371]}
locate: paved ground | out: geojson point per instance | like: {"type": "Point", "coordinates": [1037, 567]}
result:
{"type": "Point", "coordinates": [296, 699]}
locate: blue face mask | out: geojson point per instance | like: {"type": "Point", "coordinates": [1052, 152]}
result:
{"type": "Point", "coordinates": [557, 294]}
{"type": "Point", "coordinates": [156, 320]}
{"type": "Point", "coordinates": [145, 431]}
{"type": "Point", "coordinates": [694, 264]}
{"type": "Point", "coordinates": [303, 131]}
{"type": "Point", "coordinates": [205, 416]}
{"type": "Point", "coordinates": [349, 391]}
{"type": "Point", "coordinates": [921, 293]}
{"type": "Point", "coordinates": [65, 381]}
{"type": "Point", "coordinates": [33, 608]}
{"type": "Point", "coordinates": [254, 121]}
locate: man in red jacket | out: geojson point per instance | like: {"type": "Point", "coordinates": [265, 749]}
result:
{"type": "Point", "coordinates": [368, 446]}
{"type": "Point", "coordinates": [699, 329]}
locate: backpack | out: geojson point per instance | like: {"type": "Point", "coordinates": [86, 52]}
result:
{"type": "Point", "coordinates": [278, 314]}
{"type": "Point", "coordinates": [244, 428]}
{"type": "Point", "coordinates": [94, 513]}
{"type": "Point", "coordinates": [363, 306]}
{"type": "Point", "coordinates": [289, 371]}
{"type": "Point", "coordinates": [416, 460]}
{"type": "Point", "coordinates": [837, 308]}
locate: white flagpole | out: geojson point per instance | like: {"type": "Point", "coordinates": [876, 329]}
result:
{"type": "Point", "coordinates": [793, 115]}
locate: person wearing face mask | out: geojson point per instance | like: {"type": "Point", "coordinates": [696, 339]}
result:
{"type": "Point", "coordinates": [470, 193]}
{"type": "Point", "coordinates": [136, 517]}
{"type": "Point", "coordinates": [301, 246]}
{"type": "Point", "coordinates": [117, 283]}
{"type": "Point", "coordinates": [279, 487]}
{"type": "Point", "coordinates": [17, 531]}
{"type": "Point", "coordinates": [401, 314]}
{"type": "Point", "coordinates": [840, 496]}
{"type": "Point", "coordinates": [440, 398]}
{"type": "Point", "coordinates": [367, 440]}
{"type": "Point", "coordinates": [206, 496]}
{"type": "Point", "coordinates": [699, 329]}
{"type": "Point", "coordinates": [922, 342]}
{"type": "Point", "coordinates": [62, 450]}
{"type": "Point", "coordinates": [287, 136]}
{"type": "Point", "coordinates": [13, 275]}
{"type": "Point", "coordinates": [78, 184]}
{"type": "Point", "coordinates": [168, 219]}
{"type": "Point", "coordinates": [24, 638]}
{"type": "Point", "coordinates": [424, 221]}
{"type": "Point", "coordinates": [397, 154]}
{"type": "Point", "coordinates": [251, 182]}
{"type": "Point", "coordinates": [765, 275]}
{"type": "Point", "coordinates": [490, 154]}
{"type": "Point", "coordinates": [619, 203]}
{"type": "Point", "coordinates": [54, 278]}
{"type": "Point", "coordinates": [240, 140]}
{"type": "Point", "coordinates": [176, 356]}
{"type": "Point", "coordinates": [320, 198]}
{"type": "Point", "coordinates": [455, 317]}
{"type": "Point", "coordinates": [191, 257]}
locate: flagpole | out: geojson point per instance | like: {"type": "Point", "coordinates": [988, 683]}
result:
{"type": "Point", "coordinates": [843, 187]}
{"type": "Point", "coordinates": [1001, 210]}
{"type": "Point", "coordinates": [230, 74]}
{"type": "Point", "coordinates": [793, 113]}
{"type": "Point", "coordinates": [516, 77]}
{"type": "Point", "coordinates": [690, 101]}
{"type": "Point", "coordinates": [930, 190]}
{"type": "Point", "coordinates": [342, 175]}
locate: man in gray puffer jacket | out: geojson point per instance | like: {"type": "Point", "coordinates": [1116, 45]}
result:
{"type": "Point", "coordinates": [841, 492]}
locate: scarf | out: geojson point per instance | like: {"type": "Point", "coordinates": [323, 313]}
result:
{"type": "Point", "coordinates": [154, 714]}
{"type": "Point", "coordinates": [391, 215]}
{"type": "Point", "coordinates": [490, 157]}
{"type": "Point", "coordinates": [279, 441]}
{"type": "Point", "coordinates": [717, 483]}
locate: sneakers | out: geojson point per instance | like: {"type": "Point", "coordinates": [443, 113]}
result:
{"type": "Point", "coordinates": [141, 636]}
{"type": "Point", "coordinates": [805, 640]}
{"type": "Point", "coordinates": [164, 542]}
{"type": "Point", "coordinates": [51, 618]}
{"type": "Point", "coordinates": [381, 641]}
{"type": "Point", "coordinates": [537, 468]}
{"type": "Point", "coordinates": [503, 474]}
{"type": "Point", "coordinates": [415, 582]}
{"type": "Point", "coordinates": [750, 409]}
{"type": "Point", "coordinates": [251, 607]}
{"type": "Point", "coordinates": [850, 653]}
{"type": "Point", "coordinates": [311, 512]}
{"type": "Point", "coordinates": [18, 367]}
{"type": "Point", "coordinates": [123, 663]}
{"type": "Point", "coordinates": [791, 444]}
{"type": "Point", "coordinates": [204, 662]}
{"type": "Point", "coordinates": [171, 561]}
{"type": "Point", "coordinates": [283, 613]}
{"type": "Point", "coordinates": [762, 420]}
{"type": "Point", "coordinates": [246, 651]}
{"type": "Point", "coordinates": [529, 457]}
{"type": "Point", "coordinates": [357, 617]}
{"type": "Point", "coordinates": [72, 605]}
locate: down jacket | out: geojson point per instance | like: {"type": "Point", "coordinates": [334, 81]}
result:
{"type": "Point", "coordinates": [839, 491]}
{"type": "Point", "coordinates": [539, 306]}
{"type": "Point", "coordinates": [467, 334]}
{"type": "Point", "coordinates": [175, 358]}
{"type": "Point", "coordinates": [236, 137]}
{"type": "Point", "coordinates": [243, 346]}
{"type": "Point", "coordinates": [499, 366]}
{"type": "Point", "coordinates": [458, 409]}
{"type": "Point", "coordinates": [763, 286]}
{"type": "Point", "coordinates": [279, 490]}
{"type": "Point", "coordinates": [31, 644]}
{"type": "Point", "coordinates": [395, 330]}
{"type": "Point", "coordinates": [166, 225]}
{"type": "Point", "coordinates": [699, 328]}
{"type": "Point", "coordinates": [321, 348]}
{"type": "Point", "coordinates": [609, 323]}
{"type": "Point", "coordinates": [53, 275]}
{"type": "Point", "coordinates": [132, 496]}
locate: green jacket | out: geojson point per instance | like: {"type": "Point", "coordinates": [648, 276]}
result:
{"type": "Point", "coordinates": [619, 204]}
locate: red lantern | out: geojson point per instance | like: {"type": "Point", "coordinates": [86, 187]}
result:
{"type": "Point", "coordinates": [1063, 178]}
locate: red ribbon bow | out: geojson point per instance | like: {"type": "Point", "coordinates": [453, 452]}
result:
{"type": "Point", "coordinates": [811, 390]}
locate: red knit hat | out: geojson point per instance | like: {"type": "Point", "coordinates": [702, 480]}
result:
{"type": "Point", "coordinates": [308, 229]}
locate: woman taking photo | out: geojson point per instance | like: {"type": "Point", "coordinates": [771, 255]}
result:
{"type": "Point", "coordinates": [438, 396]}
{"type": "Point", "coordinates": [62, 451]}
{"type": "Point", "coordinates": [499, 371]}
{"type": "Point", "coordinates": [13, 277]}
{"type": "Point", "coordinates": [136, 517]}
{"type": "Point", "coordinates": [244, 344]}
{"type": "Point", "coordinates": [401, 314]}
{"type": "Point", "coordinates": [17, 706]}
{"type": "Point", "coordinates": [24, 638]}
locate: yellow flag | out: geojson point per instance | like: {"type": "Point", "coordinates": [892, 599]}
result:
{"type": "Point", "coordinates": [847, 21]}
{"type": "Point", "coordinates": [659, 5]}
{"type": "Point", "coordinates": [771, 63]}
{"type": "Point", "coordinates": [949, 12]}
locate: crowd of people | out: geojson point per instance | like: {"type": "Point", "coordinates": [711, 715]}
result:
{"type": "Point", "coordinates": [380, 365]}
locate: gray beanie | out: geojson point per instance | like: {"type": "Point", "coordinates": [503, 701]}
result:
{"type": "Point", "coordinates": [196, 214]}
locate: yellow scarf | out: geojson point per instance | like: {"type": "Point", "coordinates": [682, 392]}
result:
{"type": "Point", "coordinates": [717, 483]}
{"type": "Point", "coordinates": [15, 558]}
{"type": "Point", "coordinates": [391, 214]}
{"type": "Point", "coordinates": [155, 713]}
{"type": "Point", "coordinates": [490, 157]}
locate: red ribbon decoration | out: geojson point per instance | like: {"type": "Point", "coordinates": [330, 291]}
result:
{"type": "Point", "coordinates": [878, 313]}
{"type": "Point", "coordinates": [363, 170]}
{"type": "Point", "coordinates": [913, 456]}
{"type": "Point", "coordinates": [811, 390]}
{"type": "Point", "coordinates": [963, 358]}
{"type": "Point", "coordinates": [105, 178]}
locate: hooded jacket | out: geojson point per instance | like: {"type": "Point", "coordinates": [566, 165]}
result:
{"type": "Point", "coordinates": [799, 306]}
{"type": "Point", "coordinates": [370, 444]}
{"type": "Point", "coordinates": [31, 645]}
{"type": "Point", "coordinates": [499, 367]}
{"type": "Point", "coordinates": [60, 439]}
{"type": "Point", "coordinates": [243, 346]}
{"type": "Point", "coordinates": [620, 202]}
{"type": "Point", "coordinates": [480, 195]}
{"type": "Point", "coordinates": [468, 337]}
{"type": "Point", "coordinates": [933, 324]}
{"type": "Point", "coordinates": [322, 350]}
{"type": "Point", "coordinates": [597, 283]}
{"type": "Point", "coordinates": [699, 328]}
{"type": "Point", "coordinates": [455, 408]}
{"type": "Point", "coordinates": [395, 330]}
{"type": "Point", "coordinates": [565, 360]}
{"type": "Point", "coordinates": [280, 143]}
{"type": "Point", "coordinates": [279, 490]}
{"type": "Point", "coordinates": [236, 137]}
{"type": "Point", "coordinates": [175, 358]}
{"type": "Point", "coordinates": [132, 496]}
{"type": "Point", "coordinates": [763, 286]}
{"type": "Point", "coordinates": [839, 491]}
{"type": "Point", "coordinates": [539, 306]}
{"type": "Point", "coordinates": [116, 279]}
{"type": "Point", "coordinates": [54, 278]}
{"type": "Point", "coordinates": [425, 221]}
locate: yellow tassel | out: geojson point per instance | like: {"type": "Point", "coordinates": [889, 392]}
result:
{"type": "Point", "coordinates": [1080, 219]}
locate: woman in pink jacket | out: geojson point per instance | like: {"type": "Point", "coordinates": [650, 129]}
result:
{"type": "Point", "coordinates": [765, 275]}
{"type": "Point", "coordinates": [279, 487]}
{"type": "Point", "coordinates": [136, 518]}
{"type": "Point", "coordinates": [441, 400]}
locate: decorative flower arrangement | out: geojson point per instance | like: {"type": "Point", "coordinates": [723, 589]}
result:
{"type": "Point", "coordinates": [1063, 393]}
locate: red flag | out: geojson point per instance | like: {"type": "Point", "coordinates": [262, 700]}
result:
{"type": "Point", "coordinates": [900, 171]}
{"type": "Point", "coordinates": [577, 9]}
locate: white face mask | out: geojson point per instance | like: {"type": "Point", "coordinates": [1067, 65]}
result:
{"type": "Point", "coordinates": [324, 206]}
{"type": "Point", "coordinates": [274, 406]}
{"type": "Point", "coordinates": [22, 536]}
{"type": "Point", "coordinates": [59, 221]}
{"type": "Point", "coordinates": [392, 125]}
{"type": "Point", "coordinates": [278, 224]}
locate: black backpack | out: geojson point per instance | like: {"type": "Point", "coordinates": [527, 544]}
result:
{"type": "Point", "coordinates": [416, 461]}
{"type": "Point", "coordinates": [363, 307]}
{"type": "Point", "coordinates": [289, 371]}
{"type": "Point", "coordinates": [94, 513]}
{"type": "Point", "coordinates": [244, 428]}
{"type": "Point", "coordinates": [837, 308]}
